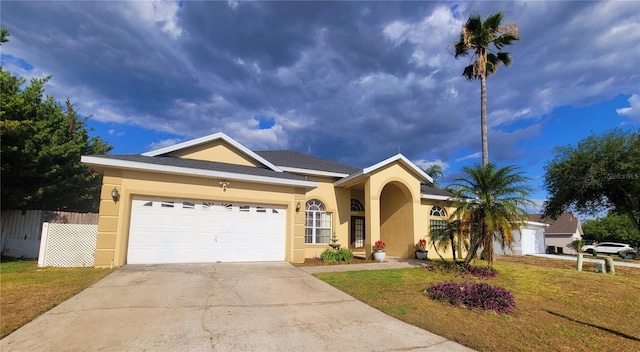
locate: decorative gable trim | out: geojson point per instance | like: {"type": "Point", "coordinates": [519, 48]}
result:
{"type": "Point", "coordinates": [396, 158]}
{"type": "Point", "coordinates": [209, 138]}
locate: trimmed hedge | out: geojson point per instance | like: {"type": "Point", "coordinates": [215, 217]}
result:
{"type": "Point", "coordinates": [336, 255]}
{"type": "Point", "coordinates": [472, 295]}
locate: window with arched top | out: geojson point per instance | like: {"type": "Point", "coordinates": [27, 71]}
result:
{"type": "Point", "coordinates": [317, 223]}
{"type": "Point", "coordinates": [356, 205]}
{"type": "Point", "coordinates": [437, 224]}
{"type": "Point", "coordinates": [438, 211]}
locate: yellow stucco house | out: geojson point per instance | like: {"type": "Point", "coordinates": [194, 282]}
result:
{"type": "Point", "coordinates": [211, 199]}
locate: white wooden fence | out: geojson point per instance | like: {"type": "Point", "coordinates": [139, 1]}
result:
{"type": "Point", "coordinates": [67, 245]}
{"type": "Point", "coordinates": [21, 230]}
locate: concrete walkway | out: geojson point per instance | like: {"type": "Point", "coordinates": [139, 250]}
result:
{"type": "Point", "coordinates": [220, 307]}
{"type": "Point", "coordinates": [588, 258]}
{"type": "Point", "coordinates": [390, 263]}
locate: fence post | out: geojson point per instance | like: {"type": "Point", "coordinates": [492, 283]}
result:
{"type": "Point", "coordinates": [580, 256]}
{"type": "Point", "coordinates": [43, 244]}
{"type": "Point", "coordinates": [611, 269]}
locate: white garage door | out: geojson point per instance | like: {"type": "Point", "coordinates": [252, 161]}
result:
{"type": "Point", "coordinates": [184, 231]}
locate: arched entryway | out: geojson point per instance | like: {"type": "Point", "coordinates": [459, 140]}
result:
{"type": "Point", "coordinates": [396, 219]}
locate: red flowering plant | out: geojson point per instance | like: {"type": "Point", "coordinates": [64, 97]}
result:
{"type": "Point", "coordinates": [379, 246]}
{"type": "Point", "coordinates": [421, 245]}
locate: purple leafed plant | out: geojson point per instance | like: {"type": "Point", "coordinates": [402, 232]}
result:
{"type": "Point", "coordinates": [480, 272]}
{"type": "Point", "coordinates": [472, 295]}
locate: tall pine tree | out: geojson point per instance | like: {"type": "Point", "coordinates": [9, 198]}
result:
{"type": "Point", "coordinates": [42, 141]}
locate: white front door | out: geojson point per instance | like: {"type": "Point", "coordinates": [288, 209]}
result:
{"type": "Point", "coordinates": [187, 231]}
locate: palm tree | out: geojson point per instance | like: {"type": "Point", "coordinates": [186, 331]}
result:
{"type": "Point", "coordinates": [476, 40]}
{"type": "Point", "coordinates": [443, 237]}
{"type": "Point", "coordinates": [435, 172]}
{"type": "Point", "coordinates": [492, 205]}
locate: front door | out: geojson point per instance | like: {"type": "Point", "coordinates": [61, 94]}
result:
{"type": "Point", "coordinates": [357, 232]}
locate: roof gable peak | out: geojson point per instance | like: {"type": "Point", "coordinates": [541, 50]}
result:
{"type": "Point", "coordinates": [402, 159]}
{"type": "Point", "coordinates": [210, 138]}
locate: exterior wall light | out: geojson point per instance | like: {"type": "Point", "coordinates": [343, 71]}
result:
{"type": "Point", "coordinates": [115, 194]}
{"type": "Point", "coordinates": [224, 184]}
{"type": "Point", "coordinates": [298, 205]}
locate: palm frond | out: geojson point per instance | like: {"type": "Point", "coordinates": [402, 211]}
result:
{"type": "Point", "coordinates": [493, 22]}
{"type": "Point", "coordinates": [493, 201]}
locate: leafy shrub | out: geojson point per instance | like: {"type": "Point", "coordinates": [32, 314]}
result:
{"type": "Point", "coordinates": [336, 255]}
{"type": "Point", "coordinates": [472, 295]}
{"type": "Point", "coordinates": [345, 255]}
{"type": "Point", "coordinates": [329, 256]}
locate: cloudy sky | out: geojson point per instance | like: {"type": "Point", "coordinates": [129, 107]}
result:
{"type": "Point", "coordinates": [353, 82]}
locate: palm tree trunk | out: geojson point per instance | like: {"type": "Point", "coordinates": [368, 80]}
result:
{"type": "Point", "coordinates": [483, 118]}
{"type": "Point", "coordinates": [475, 244]}
{"type": "Point", "coordinates": [472, 252]}
{"type": "Point", "coordinates": [453, 247]}
{"type": "Point", "coordinates": [488, 248]}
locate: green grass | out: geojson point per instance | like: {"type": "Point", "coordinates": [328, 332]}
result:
{"type": "Point", "coordinates": [557, 308]}
{"type": "Point", "coordinates": [27, 291]}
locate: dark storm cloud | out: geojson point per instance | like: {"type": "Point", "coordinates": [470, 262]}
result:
{"type": "Point", "coordinates": [89, 45]}
{"type": "Point", "coordinates": [351, 81]}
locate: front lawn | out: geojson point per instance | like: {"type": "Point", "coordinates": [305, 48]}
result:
{"type": "Point", "coordinates": [27, 291]}
{"type": "Point", "coordinates": [557, 308]}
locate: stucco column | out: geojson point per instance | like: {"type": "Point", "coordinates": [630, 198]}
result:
{"type": "Point", "coordinates": [372, 217]}
{"type": "Point", "coordinates": [106, 243]}
{"type": "Point", "coordinates": [296, 246]}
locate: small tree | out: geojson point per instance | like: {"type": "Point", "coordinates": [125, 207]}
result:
{"type": "Point", "coordinates": [443, 237]}
{"type": "Point", "coordinates": [600, 173]}
{"type": "Point", "coordinates": [493, 203]}
{"type": "Point", "coordinates": [42, 142]}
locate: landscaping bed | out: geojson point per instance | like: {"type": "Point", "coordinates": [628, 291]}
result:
{"type": "Point", "coordinates": [556, 307]}
{"type": "Point", "coordinates": [318, 262]}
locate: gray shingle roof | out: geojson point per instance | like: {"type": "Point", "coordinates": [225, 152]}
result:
{"type": "Point", "coordinates": [204, 165]}
{"type": "Point", "coordinates": [564, 224]}
{"type": "Point", "coordinates": [434, 191]}
{"type": "Point", "coordinates": [288, 158]}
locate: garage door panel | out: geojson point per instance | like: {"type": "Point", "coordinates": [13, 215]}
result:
{"type": "Point", "coordinates": [180, 231]}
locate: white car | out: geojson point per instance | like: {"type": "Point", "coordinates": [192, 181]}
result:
{"type": "Point", "coordinates": [623, 249]}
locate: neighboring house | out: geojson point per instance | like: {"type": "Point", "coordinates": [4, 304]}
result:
{"type": "Point", "coordinates": [529, 240]}
{"type": "Point", "coordinates": [561, 233]}
{"type": "Point", "coordinates": [211, 199]}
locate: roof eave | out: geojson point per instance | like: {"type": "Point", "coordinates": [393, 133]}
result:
{"type": "Point", "coordinates": [351, 178]}
{"type": "Point", "coordinates": [436, 197]}
{"type": "Point", "coordinates": [296, 170]}
{"type": "Point", "coordinates": [535, 223]}
{"type": "Point", "coordinates": [177, 170]}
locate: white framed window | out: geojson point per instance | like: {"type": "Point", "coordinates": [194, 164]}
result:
{"type": "Point", "coordinates": [437, 224]}
{"type": "Point", "coordinates": [317, 223]}
{"type": "Point", "coordinates": [438, 211]}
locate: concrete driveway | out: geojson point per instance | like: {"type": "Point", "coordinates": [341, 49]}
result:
{"type": "Point", "coordinates": [218, 307]}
